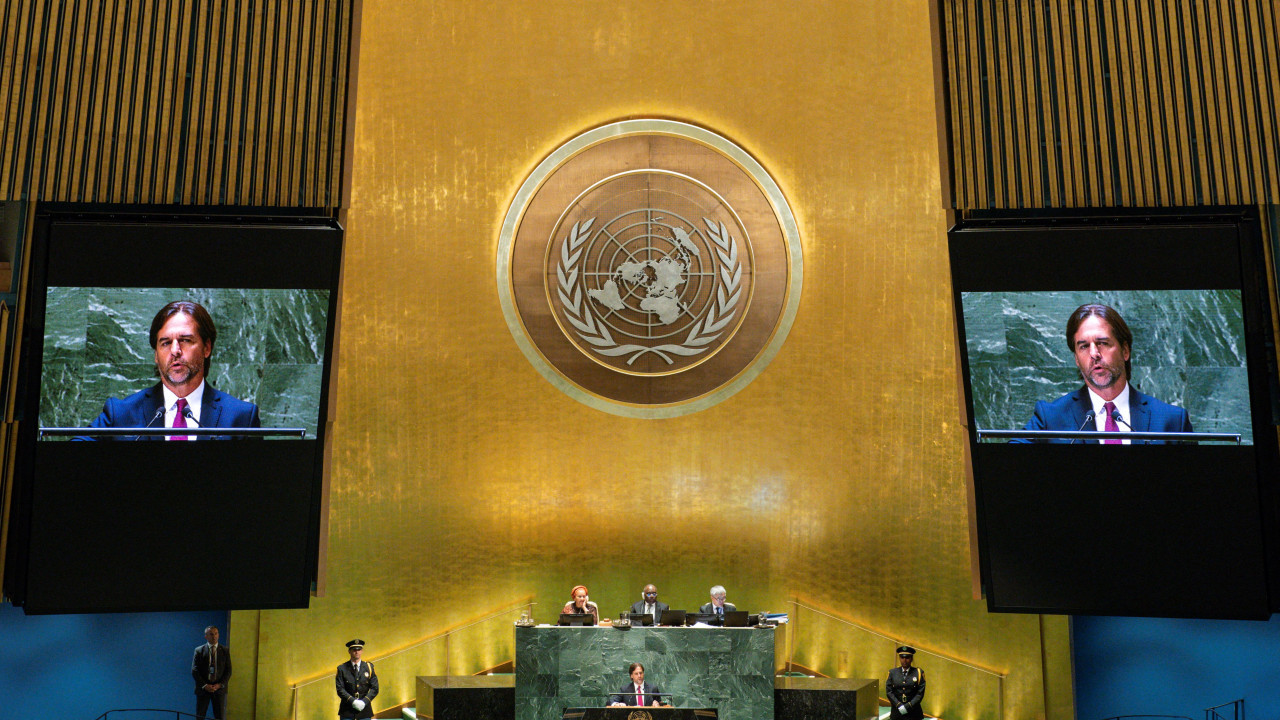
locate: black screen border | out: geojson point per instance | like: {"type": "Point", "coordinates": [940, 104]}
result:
{"type": "Point", "coordinates": [1144, 249]}
{"type": "Point", "coordinates": [228, 241]}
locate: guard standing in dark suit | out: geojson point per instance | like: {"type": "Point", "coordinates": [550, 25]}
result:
{"type": "Point", "coordinates": [357, 684]}
{"type": "Point", "coordinates": [905, 687]}
{"type": "Point", "coordinates": [211, 669]}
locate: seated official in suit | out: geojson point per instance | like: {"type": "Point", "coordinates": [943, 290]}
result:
{"type": "Point", "coordinates": [1101, 342]}
{"type": "Point", "coordinates": [580, 604]}
{"type": "Point", "coordinates": [182, 336]}
{"type": "Point", "coordinates": [637, 692]}
{"type": "Point", "coordinates": [717, 606]}
{"type": "Point", "coordinates": [648, 604]}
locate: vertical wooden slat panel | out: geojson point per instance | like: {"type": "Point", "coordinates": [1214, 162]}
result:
{"type": "Point", "coordinates": [1231, 48]}
{"type": "Point", "coordinates": [58, 59]}
{"type": "Point", "coordinates": [1064, 103]}
{"type": "Point", "coordinates": [1039, 22]}
{"type": "Point", "coordinates": [306, 168]}
{"type": "Point", "coordinates": [1176, 118]}
{"type": "Point", "coordinates": [293, 97]}
{"type": "Point", "coordinates": [1129, 98]}
{"type": "Point", "coordinates": [1192, 108]}
{"type": "Point", "coordinates": [112, 56]}
{"type": "Point", "coordinates": [1159, 47]}
{"type": "Point", "coordinates": [976, 105]}
{"type": "Point", "coordinates": [174, 101]}
{"type": "Point", "coordinates": [266, 109]}
{"type": "Point", "coordinates": [959, 84]}
{"type": "Point", "coordinates": [22, 89]}
{"type": "Point", "coordinates": [1263, 41]}
{"type": "Point", "coordinates": [255, 134]}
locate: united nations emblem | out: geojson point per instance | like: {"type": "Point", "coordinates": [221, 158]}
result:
{"type": "Point", "coordinates": [649, 268]}
{"type": "Point", "coordinates": [664, 283]}
{"type": "Point", "coordinates": [639, 715]}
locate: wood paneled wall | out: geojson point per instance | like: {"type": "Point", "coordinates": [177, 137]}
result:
{"type": "Point", "coordinates": [174, 101]}
{"type": "Point", "coordinates": [1095, 103]}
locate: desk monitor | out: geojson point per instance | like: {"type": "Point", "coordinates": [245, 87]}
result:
{"type": "Point", "coordinates": [699, 617]}
{"type": "Point", "coordinates": [577, 620]}
{"type": "Point", "coordinates": [735, 618]}
{"type": "Point", "coordinates": [638, 618]}
{"type": "Point", "coordinates": [671, 617]}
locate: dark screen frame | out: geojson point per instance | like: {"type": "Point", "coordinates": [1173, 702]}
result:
{"type": "Point", "coordinates": [1053, 539]}
{"type": "Point", "coordinates": [259, 560]}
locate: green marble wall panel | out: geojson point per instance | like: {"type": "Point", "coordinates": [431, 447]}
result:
{"type": "Point", "coordinates": [727, 668]}
{"type": "Point", "coordinates": [1188, 350]}
{"type": "Point", "coordinates": [269, 351]}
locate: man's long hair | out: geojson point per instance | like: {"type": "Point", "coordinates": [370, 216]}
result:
{"type": "Point", "coordinates": [1118, 326]}
{"type": "Point", "coordinates": [204, 326]}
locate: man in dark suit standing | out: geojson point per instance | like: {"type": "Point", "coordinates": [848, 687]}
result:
{"type": "Point", "coordinates": [357, 684]}
{"type": "Point", "coordinates": [182, 336]}
{"type": "Point", "coordinates": [1102, 342]}
{"type": "Point", "coordinates": [211, 669]}
{"type": "Point", "coordinates": [648, 604]}
{"type": "Point", "coordinates": [905, 687]}
{"type": "Point", "coordinates": [637, 692]}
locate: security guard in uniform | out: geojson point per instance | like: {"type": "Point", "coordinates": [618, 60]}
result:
{"type": "Point", "coordinates": [357, 684]}
{"type": "Point", "coordinates": [905, 687]}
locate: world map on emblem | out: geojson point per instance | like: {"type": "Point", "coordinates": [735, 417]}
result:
{"type": "Point", "coordinates": [649, 268]}
{"type": "Point", "coordinates": [652, 288]}
{"type": "Point", "coordinates": [655, 284]}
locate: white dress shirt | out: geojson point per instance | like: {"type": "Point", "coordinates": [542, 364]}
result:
{"type": "Point", "coordinates": [1121, 402]}
{"type": "Point", "coordinates": [171, 408]}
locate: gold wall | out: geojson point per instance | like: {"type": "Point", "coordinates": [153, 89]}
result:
{"type": "Point", "coordinates": [462, 481]}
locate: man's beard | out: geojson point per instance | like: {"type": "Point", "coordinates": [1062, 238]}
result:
{"type": "Point", "coordinates": [1112, 377]}
{"type": "Point", "coordinates": [189, 373]}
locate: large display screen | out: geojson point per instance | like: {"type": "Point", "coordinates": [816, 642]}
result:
{"type": "Point", "coordinates": [1188, 350]}
{"type": "Point", "coordinates": [269, 351]}
{"type": "Point", "coordinates": [172, 409]}
{"type": "Point", "coordinates": [1152, 331]}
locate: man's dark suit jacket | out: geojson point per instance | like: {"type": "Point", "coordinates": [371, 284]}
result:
{"type": "Point", "coordinates": [627, 695]}
{"type": "Point", "coordinates": [351, 686]}
{"type": "Point", "coordinates": [710, 608]}
{"type": "Point", "coordinates": [638, 609]}
{"type": "Point", "coordinates": [200, 668]}
{"type": "Point", "coordinates": [217, 409]}
{"type": "Point", "coordinates": [1068, 413]}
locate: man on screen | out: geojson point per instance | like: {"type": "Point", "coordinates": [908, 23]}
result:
{"type": "Point", "coordinates": [182, 336]}
{"type": "Point", "coordinates": [1101, 342]}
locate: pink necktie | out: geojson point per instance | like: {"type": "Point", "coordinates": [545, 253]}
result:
{"type": "Point", "coordinates": [1111, 424]}
{"type": "Point", "coordinates": [639, 696]}
{"type": "Point", "coordinates": [180, 420]}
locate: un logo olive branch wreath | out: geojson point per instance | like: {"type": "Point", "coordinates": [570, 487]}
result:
{"type": "Point", "coordinates": [703, 332]}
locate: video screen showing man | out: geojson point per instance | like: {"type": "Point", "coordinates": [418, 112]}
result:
{"type": "Point", "coordinates": [182, 336]}
{"type": "Point", "coordinates": [1102, 343]}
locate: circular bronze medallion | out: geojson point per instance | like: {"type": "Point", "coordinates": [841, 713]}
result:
{"type": "Point", "coordinates": [649, 268]}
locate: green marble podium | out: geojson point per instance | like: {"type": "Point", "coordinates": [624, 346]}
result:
{"type": "Point", "coordinates": [636, 713]}
{"type": "Point", "coordinates": [729, 669]}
